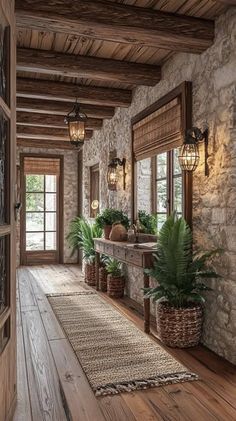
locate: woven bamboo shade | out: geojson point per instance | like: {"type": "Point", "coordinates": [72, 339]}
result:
{"type": "Point", "coordinates": [49, 166]}
{"type": "Point", "coordinates": [159, 132]}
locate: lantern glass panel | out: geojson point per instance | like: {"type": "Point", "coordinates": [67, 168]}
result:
{"type": "Point", "coordinates": [189, 157]}
{"type": "Point", "coordinates": [77, 131]}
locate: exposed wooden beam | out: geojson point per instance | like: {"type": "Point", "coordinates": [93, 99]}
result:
{"type": "Point", "coordinates": [229, 2]}
{"type": "Point", "coordinates": [117, 22]}
{"type": "Point", "coordinates": [33, 88]}
{"type": "Point", "coordinates": [53, 63]}
{"type": "Point", "coordinates": [45, 144]}
{"type": "Point", "coordinates": [46, 133]}
{"type": "Point", "coordinates": [32, 105]}
{"type": "Point", "coordinates": [51, 120]}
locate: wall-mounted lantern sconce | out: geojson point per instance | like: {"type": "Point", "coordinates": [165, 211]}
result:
{"type": "Point", "coordinates": [189, 153]}
{"type": "Point", "coordinates": [76, 120]}
{"type": "Point", "coordinates": [112, 173]}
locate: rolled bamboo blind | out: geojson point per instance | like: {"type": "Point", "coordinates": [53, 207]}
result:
{"type": "Point", "coordinates": [159, 132]}
{"type": "Point", "coordinates": [49, 166]}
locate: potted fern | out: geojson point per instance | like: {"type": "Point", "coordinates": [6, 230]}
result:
{"type": "Point", "coordinates": [115, 278]}
{"type": "Point", "coordinates": [148, 222]}
{"type": "Point", "coordinates": [108, 217]}
{"type": "Point", "coordinates": [179, 292]}
{"type": "Point", "coordinates": [81, 236]}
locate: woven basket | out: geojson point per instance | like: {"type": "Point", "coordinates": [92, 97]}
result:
{"type": "Point", "coordinates": [179, 328]}
{"type": "Point", "coordinates": [103, 279]}
{"type": "Point", "coordinates": [115, 286]}
{"type": "Point", "coordinates": [90, 274]}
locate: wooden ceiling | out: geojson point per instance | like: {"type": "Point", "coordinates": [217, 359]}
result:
{"type": "Point", "coordinates": [97, 51]}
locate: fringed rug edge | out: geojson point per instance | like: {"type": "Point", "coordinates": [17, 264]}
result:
{"type": "Point", "coordinates": [131, 386]}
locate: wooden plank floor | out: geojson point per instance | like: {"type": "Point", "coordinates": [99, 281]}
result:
{"type": "Point", "coordinates": [52, 385]}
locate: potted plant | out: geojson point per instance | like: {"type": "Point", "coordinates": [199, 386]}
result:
{"type": "Point", "coordinates": [115, 278]}
{"type": "Point", "coordinates": [81, 236]}
{"type": "Point", "coordinates": [148, 222]}
{"type": "Point", "coordinates": [110, 216]}
{"type": "Point", "coordinates": [179, 292]}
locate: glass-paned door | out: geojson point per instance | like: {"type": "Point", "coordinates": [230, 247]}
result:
{"type": "Point", "coordinates": [7, 212]}
{"type": "Point", "coordinates": [41, 213]}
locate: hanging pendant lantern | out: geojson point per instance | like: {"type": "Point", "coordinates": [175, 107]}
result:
{"type": "Point", "coordinates": [76, 120]}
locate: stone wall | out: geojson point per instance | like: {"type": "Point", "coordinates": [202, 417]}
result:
{"type": "Point", "coordinates": [70, 194]}
{"type": "Point", "coordinates": [144, 171]}
{"type": "Point", "coordinates": [213, 75]}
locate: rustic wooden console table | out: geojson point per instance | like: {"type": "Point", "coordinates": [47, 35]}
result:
{"type": "Point", "coordinates": [127, 253]}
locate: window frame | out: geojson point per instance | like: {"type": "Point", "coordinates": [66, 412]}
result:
{"type": "Point", "coordinates": [170, 176]}
{"type": "Point", "coordinates": [184, 92]}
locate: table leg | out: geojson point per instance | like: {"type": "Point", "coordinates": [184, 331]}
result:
{"type": "Point", "coordinates": [97, 264]}
{"type": "Point", "coordinates": [146, 305]}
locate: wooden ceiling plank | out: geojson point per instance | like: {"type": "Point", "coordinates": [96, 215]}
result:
{"type": "Point", "coordinates": [53, 63]}
{"type": "Point", "coordinates": [118, 23]}
{"type": "Point", "coordinates": [46, 133]}
{"type": "Point", "coordinates": [45, 144]}
{"type": "Point", "coordinates": [51, 120]}
{"type": "Point", "coordinates": [60, 91]}
{"type": "Point", "coordinates": [41, 106]}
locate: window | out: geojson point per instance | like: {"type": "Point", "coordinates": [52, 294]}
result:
{"type": "Point", "coordinates": [167, 182]}
{"type": "Point", "coordinates": [41, 212]}
{"type": "Point", "coordinates": [94, 191]}
{"type": "Point", "coordinates": [159, 185]}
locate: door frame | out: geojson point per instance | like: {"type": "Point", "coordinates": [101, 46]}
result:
{"type": "Point", "coordinates": [8, 107]}
{"type": "Point", "coordinates": [60, 215]}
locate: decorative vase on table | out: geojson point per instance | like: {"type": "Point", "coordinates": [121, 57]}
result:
{"type": "Point", "coordinates": [108, 217]}
{"type": "Point", "coordinates": [179, 274]}
{"type": "Point", "coordinates": [118, 232]}
{"type": "Point", "coordinates": [107, 231]}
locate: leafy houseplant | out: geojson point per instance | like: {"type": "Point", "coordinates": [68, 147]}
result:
{"type": "Point", "coordinates": [179, 273]}
{"type": "Point", "coordinates": [115, 279]}
{"type": "Point", "coordinates": [148, 222]}
{"type": "Point", "coordinates": [108, 217]}
{"type": "Point", "coordinates": [81, 236]}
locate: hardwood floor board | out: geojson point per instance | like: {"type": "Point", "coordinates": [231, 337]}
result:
{"type": "Point", "coordinates": [43, 381]}
{"type": "Point", "coordinates": [23, 408]}
{"type": "Point", "coordinates": [140, 409]}
{"type": "Point", "coordinates": [190, 407]}
{"type": "Point", "coordinates": [51, 364]}
{"type": "Point", "coordinates": [81, 402]}
{"type": "Point", "coordinates": [27, 297]}
{"type": "Point", "coordinates": [218, 406]}
{"type": "Point", "coordinates": [163, 405]}
{"type": "Point", "coordinates": [115, 408]}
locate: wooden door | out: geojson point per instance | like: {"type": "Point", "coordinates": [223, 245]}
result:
{"type": "Point", "coordinates": [7, 214]}
{"type": "Point", "coordinates": [42, 209]}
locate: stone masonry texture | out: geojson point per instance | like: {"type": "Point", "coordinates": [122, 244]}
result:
{"type": "Point", "coordinates": [213, 76]}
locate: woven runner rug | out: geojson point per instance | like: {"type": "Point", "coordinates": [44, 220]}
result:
{"type": "Point", "coordinates": [115, 355]}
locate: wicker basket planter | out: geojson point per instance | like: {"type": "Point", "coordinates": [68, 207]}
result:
{"type": "Point", "coordinates": [90, 274]}
{"type": "Point", "coordinates": [103, 279]}
{"type": "Point", "coordinates": [115, 286]}
{"type": "Point", "coordinates": [179, 328]}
